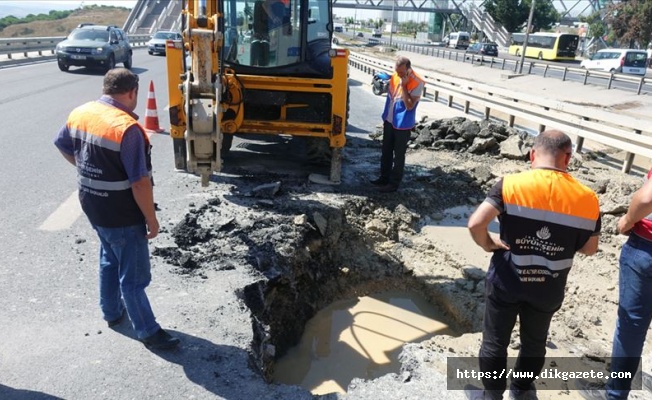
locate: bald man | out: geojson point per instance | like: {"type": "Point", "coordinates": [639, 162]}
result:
{"type": "Point", "coordinates": [545, 217]}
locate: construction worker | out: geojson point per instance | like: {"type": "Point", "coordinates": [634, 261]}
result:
{"type": "Point", "coordinates": [111, 151]}
{"type": "Point", "coordinates": [545, 216]}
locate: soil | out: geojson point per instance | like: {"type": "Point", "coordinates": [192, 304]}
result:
{"type": "Point", "coordinates": [307, 245]}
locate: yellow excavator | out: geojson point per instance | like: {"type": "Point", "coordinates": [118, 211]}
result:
{"type": "Point", "coordinates": [256, 67]}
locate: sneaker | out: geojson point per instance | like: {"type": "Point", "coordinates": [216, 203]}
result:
{"type": "Point", "coordinates": [591, 390]}
{"type": "Point", "coordinates": [521, 394]}
{"type": "Point", "coordinates": [160, 340]}
{"type": "Point", "coordinates": [379, 182]}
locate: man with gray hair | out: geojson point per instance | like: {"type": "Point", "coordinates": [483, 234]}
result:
{"type": "Point", "coordinates": [545, 216]}
{"type": "Point", "coordinates": [111, 151]}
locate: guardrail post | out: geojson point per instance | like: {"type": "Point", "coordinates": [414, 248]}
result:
{"type": "Point", "coordinates": [542, 128]}
{"type": "Point", "coordinates": [491, 64]}
{"type": "Point", "coordinates": [545, 70]}
{"type": "Point", "coordinates": [629, 158]}
{"type": "Point", "coordinates": [516, 66]}
{"type": "Point", "coordinates": [456, 54]}
{"type": "Point", "coordinates": [436, 96]}
{"type": "Point", "coordinates": [487, 113]}
{"type": "Point", "coordinates": [450, 101]}
{"type": "Point", "coordinates": [640, 86]}
{"type": "Point", "coordinates": [529, 70]}
{"type": "Point", "coordinates": [586, 76]}
{"type": "Point", "coordinates": [466, 106]}
{"type": "Point", "coordinates": [611, 78]}
{"type": "Point", "coordinates": [502, 67]}
{"type": "Point", "coordinates": [578, 144]}
{"type": "Point", "coordinates": [563, 78]}
{"type": "Point", "coordinates": [511, 121]}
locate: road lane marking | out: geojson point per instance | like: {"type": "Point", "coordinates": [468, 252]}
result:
{"type": "Point", "coordinates": [64, 216]}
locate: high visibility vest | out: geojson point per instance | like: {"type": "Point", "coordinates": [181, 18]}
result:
{"type": "Point", "coordinates": [105, 192]}
{"type": "Point", "coordinates": [402, 118]}
{"type": "Point", "coordinates": [547, 217]}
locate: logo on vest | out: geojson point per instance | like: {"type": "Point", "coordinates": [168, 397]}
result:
{"type": "Point", "coordinates": [544, 233]}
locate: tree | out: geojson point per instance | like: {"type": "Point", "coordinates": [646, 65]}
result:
{"type": "Point", "coordinates": [545, 14]}
{"type": "Point", "coordinates": [508, 13]}
{"type": "Point", "coordinates": [513, 14]}
{"type": "Point", "coordinates": [630, 22]}
{"type": "Point", "coordinates": [596, 28]}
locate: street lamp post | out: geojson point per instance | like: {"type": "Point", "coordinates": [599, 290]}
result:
{"type": "Point", "coordinates": [391, 28]}
{"type": "Point", "coordinates": [527, 35]}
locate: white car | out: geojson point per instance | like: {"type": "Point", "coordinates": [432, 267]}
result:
{"type": "Point", "coordinates": [157, 43]}
{"type": "Point", "coordinates": [627, 61]}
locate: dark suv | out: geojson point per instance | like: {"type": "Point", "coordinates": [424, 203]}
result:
{"type": "Point", "coordinates": [91, 45]}
{"type": "Point", "coordinates": [485, 49]}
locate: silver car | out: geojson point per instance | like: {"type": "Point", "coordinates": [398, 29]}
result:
{"type": "Point", "coordinates": [157, 43]}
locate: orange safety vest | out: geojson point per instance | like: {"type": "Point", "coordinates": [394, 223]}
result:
{"type": "Point", "coordinates": [105, 193]}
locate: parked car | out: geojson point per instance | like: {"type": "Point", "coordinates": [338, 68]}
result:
{"type": "Point", "coordinates": [90, 45]}
{"type": "Point", "coordinates": [483, 49]}
{"type": "Point", "coordinates": [360, 34]}
{"type": "Point", "coordinates": [157, 43]}
{"type": "Point", "coordinates": [627, 61]}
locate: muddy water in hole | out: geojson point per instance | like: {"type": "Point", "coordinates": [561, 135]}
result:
{"type": "Point", "coordinates": [358, 338]}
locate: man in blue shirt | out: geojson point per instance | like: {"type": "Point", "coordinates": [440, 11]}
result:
{"type": "Point", "coordinates": [111, 151]}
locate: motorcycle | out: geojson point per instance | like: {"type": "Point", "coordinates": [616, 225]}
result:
{"type": "Point", "coordinates": [380, 83]}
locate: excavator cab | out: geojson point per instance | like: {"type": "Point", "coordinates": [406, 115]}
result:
{"type": "Point", "coordinates": [256, 67]}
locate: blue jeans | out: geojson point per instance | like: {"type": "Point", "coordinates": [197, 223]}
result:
{"type": "Point", "coordinates": [634, 312]}
{"type": "Point", "coordinates": [124, 275]}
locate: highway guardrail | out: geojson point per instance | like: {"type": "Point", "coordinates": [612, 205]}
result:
{"type": "Point", "coordinates": [528, 66]}
{"type": "Point", "coordinates": [618, 131]}
{"type": "Point", "coordinates": [46, 45]}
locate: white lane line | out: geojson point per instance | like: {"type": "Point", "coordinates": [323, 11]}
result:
{"type": "Point", "coordinates": [64, 216]}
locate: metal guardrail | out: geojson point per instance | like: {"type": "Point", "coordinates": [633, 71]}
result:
{"type": "Point", "coordinates": [614, 130]}
{"type": "Point", "coordinates": [528, 66]}
{"type": "Point", "coordinates": [46, 45]}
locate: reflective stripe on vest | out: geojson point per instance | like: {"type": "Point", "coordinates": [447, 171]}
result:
{"type": "Point", "coordinates": [548, 212]}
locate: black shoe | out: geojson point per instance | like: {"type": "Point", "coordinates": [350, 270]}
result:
{"type": "Point", "coordinates": [523, 394]}
{"type": "Point", "coordinates": [389, 188]}
{"type": "Point", "coordinates": [160, 340]}
{"type": "Point", "coordinates": [116, 321]}
{"type": "Point", "coordinates": [379, 182]}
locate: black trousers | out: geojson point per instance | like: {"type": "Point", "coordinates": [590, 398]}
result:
{"type": "Point", "coordinates": [392, 160]}
{"type": "Point", "coordinates": [501, 310]}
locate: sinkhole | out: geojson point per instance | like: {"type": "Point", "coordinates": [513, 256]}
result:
{"type": "Point", "coordinates": [342, 308]}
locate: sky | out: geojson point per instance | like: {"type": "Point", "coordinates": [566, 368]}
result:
{"type": "Point", "coordinates": [20, 8]}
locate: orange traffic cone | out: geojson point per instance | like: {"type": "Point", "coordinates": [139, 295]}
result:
{"type": "Point", "coordinates": [151, 116]}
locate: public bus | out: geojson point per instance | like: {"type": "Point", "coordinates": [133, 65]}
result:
{"type": "Point", "coordinates": [546, 46]}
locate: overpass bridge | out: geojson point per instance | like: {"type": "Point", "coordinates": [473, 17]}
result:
{"type": "Point", "coordinates": [149, 16]}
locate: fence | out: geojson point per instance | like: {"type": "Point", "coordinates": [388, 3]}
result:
{"type": "Point", "coordinates": [621, 132]}
{"type": "Point", "coordinates": [24, 46]}
{"type": "Point", "coordinates": [529, 67]}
